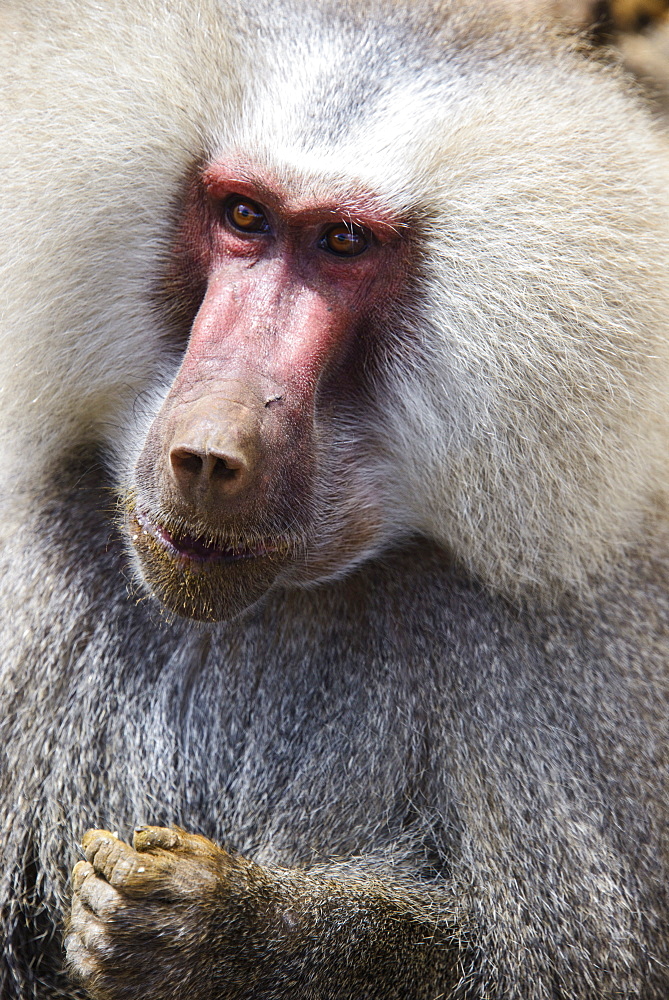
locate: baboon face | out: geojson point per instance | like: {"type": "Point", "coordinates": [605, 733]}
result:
{"type": "Point", "coordinates": [240, 463]}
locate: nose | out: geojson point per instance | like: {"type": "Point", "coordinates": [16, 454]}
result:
{"type": "Point", "coordinates": [199, 468]}
{"type": "Point", "coordinates": [214, 452]}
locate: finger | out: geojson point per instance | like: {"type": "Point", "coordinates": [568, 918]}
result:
{"type": "Point", "coordinates": [81, 870]}
{"type": "Point", "coordinates": [110, 857]}
{"type": "Point", "coordinates": [94, 834]}
{"type": "Point", "coordinates": [80, 961]}
{"type": "Point", "coordinates": [147, 838]}
{"type": "Point", "coordinates": [173, 838]}
{"type": "Point", "coordinates": [98, 896]}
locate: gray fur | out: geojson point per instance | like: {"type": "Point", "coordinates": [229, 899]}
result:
{"type": "Point", "coordinates": [465, 721]}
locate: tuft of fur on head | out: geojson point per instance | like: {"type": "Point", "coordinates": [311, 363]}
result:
{"type": "Point", "coordinates": [538, 441]}
{"type": "Point", "coordinates": [105, 133]}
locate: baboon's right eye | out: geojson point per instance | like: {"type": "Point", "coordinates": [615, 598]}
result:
{"type": "Point", "coordinates": [245, 216]}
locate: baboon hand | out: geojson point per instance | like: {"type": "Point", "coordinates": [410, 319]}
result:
{"type": "Point", "coordinates": [141, 909]}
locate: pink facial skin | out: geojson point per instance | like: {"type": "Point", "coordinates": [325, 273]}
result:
{"type": "Point", "coordinates": [287, 287]}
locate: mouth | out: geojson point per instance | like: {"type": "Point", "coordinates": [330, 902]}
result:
{"type": "Point", "coordinates": [200, 576]}
{"type": "Point", "coordinates": [197, 548]}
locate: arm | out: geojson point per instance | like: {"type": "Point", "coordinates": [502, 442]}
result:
{"type": "Point", "coordinates": [176, 916]}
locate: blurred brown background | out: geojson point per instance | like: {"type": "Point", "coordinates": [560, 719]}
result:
{"type": "Point", "coordinates": [639, 29]}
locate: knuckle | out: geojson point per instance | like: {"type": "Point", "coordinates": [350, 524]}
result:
{"type": "Point", "coordinates": [95, 937]}
{"type": "Point", "coordinates": [81, 871]}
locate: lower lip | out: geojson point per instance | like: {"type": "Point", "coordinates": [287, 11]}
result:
{"type": "Point", "coordinates": [195, 550]}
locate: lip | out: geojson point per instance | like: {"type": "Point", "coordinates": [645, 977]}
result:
{"type": "Point", "coordinates": [196, 549]}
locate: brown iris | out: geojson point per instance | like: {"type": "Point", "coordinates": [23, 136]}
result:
{"type": "Point", "coordinates": [245, 215]}
{"type": "Point", "coordinates": [345, 240]}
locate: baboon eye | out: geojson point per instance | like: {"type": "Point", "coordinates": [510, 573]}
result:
{"type": "Point", "coordinates": [345, 240]}
{"type": "Point", "coordinates": [244, 215]}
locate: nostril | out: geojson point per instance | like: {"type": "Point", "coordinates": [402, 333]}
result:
{"type": "Point", "coordinates": [186, 462]}
{"type": "Point", "coordinates": [195, 468]}
{"type": "Point", "coordinates": [223, 468]}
